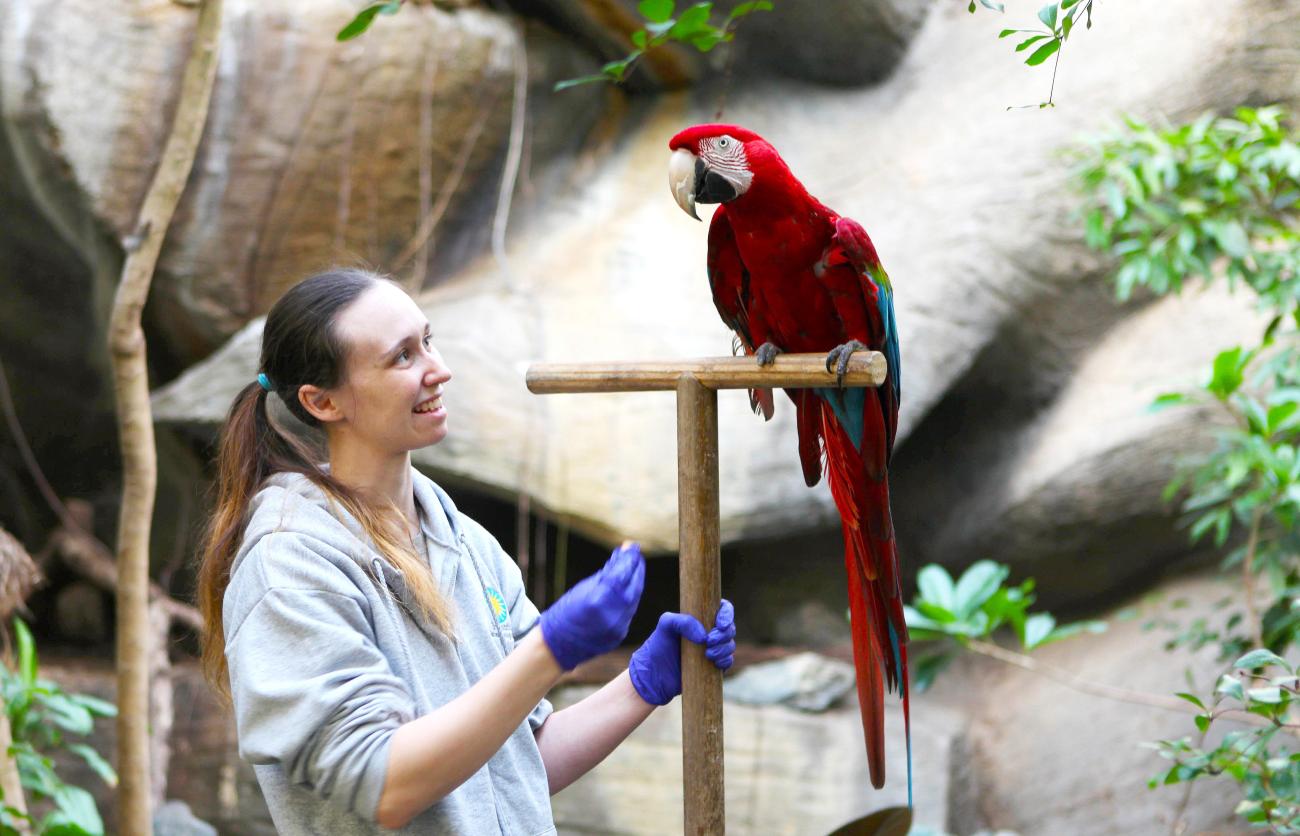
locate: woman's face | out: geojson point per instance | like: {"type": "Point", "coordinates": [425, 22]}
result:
{"type": "Point", "coordinates": [391, 394]}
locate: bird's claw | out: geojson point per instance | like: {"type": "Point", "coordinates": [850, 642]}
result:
{"type": "Point", "coordinates": [766, 354]}
{"type": "Point", "coordinates": [839, 358]}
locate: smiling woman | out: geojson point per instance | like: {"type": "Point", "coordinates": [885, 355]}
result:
{"type": "Point", "coordinates": [375, 642]}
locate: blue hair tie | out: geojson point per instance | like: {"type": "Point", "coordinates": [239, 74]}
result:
{"type": "Point", "coordinates": [264, 381]}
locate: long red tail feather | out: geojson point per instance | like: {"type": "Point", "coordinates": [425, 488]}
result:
{"type": "Point", "coordinates": [871, 563]}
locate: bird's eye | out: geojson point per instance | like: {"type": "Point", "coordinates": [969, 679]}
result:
{"type": "Point", "coordinates": [722, 143]}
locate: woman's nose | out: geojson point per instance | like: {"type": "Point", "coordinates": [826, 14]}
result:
{"type": "Point", "coordinates": [437, 373]}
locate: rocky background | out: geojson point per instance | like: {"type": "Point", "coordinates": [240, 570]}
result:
{"type": "Point", "coordinates": [537, 226]}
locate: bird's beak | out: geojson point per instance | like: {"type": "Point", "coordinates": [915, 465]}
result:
{"type": "Point", "coordinates": [681, 179]}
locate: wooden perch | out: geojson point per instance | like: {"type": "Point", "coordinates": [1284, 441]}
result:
{"type": "Point", "coordinates": [789, 371]}
{"type": "Point", "coordinates": [699, 559]}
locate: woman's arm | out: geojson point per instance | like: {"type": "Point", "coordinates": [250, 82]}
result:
{"type": "Point", "coordinates": [432, 755]}
{"type": "Point", "coordinates": [577, 738]}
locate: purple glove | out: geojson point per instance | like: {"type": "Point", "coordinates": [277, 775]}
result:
{"type": "Point", "coordinates": [656, 667]}
{"type": "Point", "coordinates": [592, 617]}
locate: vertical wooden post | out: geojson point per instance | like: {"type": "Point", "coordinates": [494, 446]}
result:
{"type": "Point", "coordinates": [701, 588]}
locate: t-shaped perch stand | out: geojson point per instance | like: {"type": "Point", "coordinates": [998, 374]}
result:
{"type": "Point", "coordinates": [696, 383]}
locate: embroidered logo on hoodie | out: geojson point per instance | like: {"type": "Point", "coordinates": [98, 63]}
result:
{"type": "Point", "coordinates": [498, 605]}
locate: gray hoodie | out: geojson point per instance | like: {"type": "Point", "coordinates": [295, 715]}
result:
{"type": "Point", "coordinates": [326, 661]}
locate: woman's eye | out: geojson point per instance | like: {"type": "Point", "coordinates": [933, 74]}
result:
{"type": "Point", "coordinates": [403, 355]}
{"type": "Point", "coordinates": [428, 340]}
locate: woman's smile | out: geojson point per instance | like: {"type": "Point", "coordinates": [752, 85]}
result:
{"type": "Point", "coordinates": [432, 407]}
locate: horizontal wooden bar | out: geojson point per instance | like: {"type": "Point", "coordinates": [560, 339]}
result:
{"type": "Point", "coordinates": [789, 371]}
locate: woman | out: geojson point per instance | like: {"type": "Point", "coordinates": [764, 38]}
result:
{"type": "Point", "coordinates": [377, 643]}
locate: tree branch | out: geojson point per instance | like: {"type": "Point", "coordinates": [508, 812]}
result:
{"type": "Point", "coordinates": [135, 420]}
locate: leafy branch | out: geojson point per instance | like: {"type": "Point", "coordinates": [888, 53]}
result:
{"type": "Point", "coordinates": [1058, 19]}
{"type": "Point", "coordinates": [965, 614]}
{"type": "Point", "coordinates": [693, 27]}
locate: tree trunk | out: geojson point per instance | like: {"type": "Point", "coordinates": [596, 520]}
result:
{"type": "Point", "coordinates": [135, 423]}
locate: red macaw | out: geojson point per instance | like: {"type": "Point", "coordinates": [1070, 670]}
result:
{"type": "Point", "coordinates": [790, 275]}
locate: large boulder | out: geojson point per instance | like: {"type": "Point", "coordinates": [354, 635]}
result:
{"type": "Point", "coordinates": [314, 150]}
{"type": "Point", "coordinates": [968, 203]}
{"type": "Point", "coordinates": [1071, 492]}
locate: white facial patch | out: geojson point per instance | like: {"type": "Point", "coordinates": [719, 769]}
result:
{"type": "Point", "coordinates": [726, 156]}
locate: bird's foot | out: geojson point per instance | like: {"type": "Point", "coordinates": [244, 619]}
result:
{"type": "Point", "coordinates": [839, 358]}
{"type": "Point", "coordinates": [766, 354]}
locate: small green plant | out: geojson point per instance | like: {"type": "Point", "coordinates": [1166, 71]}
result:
{"type": "Point", "coordinates": [41, 717]}
{"type": "Point", "coordinates": [693, 27]}
{"type": "Point", "coordinates": [964, 615]}
{"type": "Point", "coordinates": [1262, 684]}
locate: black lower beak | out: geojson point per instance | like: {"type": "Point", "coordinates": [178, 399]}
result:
{"type": "Point", "coordinates": [711, 187]}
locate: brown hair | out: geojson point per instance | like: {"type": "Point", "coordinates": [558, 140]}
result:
{"type": "Point", "coordinates": [300, 345]}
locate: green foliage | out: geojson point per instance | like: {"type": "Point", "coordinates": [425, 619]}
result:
{"type": "Point", "coordinates": [1216, 197]}
{"type": "Point", "coordinates": [693, 27]}
{"type": "Point", "coordinates": [973, 608]}
{"type": "Point", "coordinates": [1263, 684]}
{"type": "Point", "coordinates": [366, 16]}
{"type": "Point", "coordinates": [41, 715]}
{"type": "Point", "coordinates": [1058, 20]}
{"type": "Point", "coordinates": [1219, 199]}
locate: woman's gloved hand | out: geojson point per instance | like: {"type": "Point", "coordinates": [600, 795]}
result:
{"type": "Point", "coordinates": [656, 667]}
{"type": "Point", "coordinates": [592, 617]}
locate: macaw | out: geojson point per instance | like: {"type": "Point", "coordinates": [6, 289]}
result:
{"type": "Point", "coordinates": [789, 274]}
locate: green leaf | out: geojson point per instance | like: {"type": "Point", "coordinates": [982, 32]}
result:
{"type": "Point", "coordinates": [1043, 52]}
{"type": "Point", "coordinates": [992, 4]}
{"type": "Point", "coordinates": [1191, 698]}
{"type": "Point", "coordinates": [656, 11]}
{"type": "Point", "coordinates": [96, 762]}
{"type": "Point", "coordinates": [76, 813]}
{"type": "Point", "coordinates": [638, 38]}
{"type": "Point", "coordinates": [66, 714]}
{"type": "Point", "coordinates": [1269, 695]}
{"type": "Point", "coordinates": [976, 585]}
{"type": "Point", "coordinates": [745, 8]}
{"type": "Point", "coordinates": [1168, 399]}
{"type": "Point", "coordinates": [26, 653]}
{"type": "Point", "coordinates": [1227, 375]}
{"type": "Point", "coordinates": [1233, 239]}
{"type": "Point", "coordinates": [707, 40]}
{"type": "Point", "coordinates": [96, 706]}
{"type": "Point", "coordinates": [926, 668]}
{"type": "Point", "coordinates": [692, 22]}
{"type": "Point", "coordinates": [1258, 659]}
{"type": "Point", "coordinates": [361, 22]}
{"type": "Point", "coordinates": [1028, 42]}
{"type": "Point", "coordinates": [1037, 628]}
{"type": "Point", "coordinates": [1277, 415]}
{"type": "Point", "coordinates": [1202, 722]}
{"type": "Point", "coordinates": [1230, 686]}
{"type": "Point", "coordinates": [936, 587]}
{"type": "Point", "coordinates": [1047, 15]}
